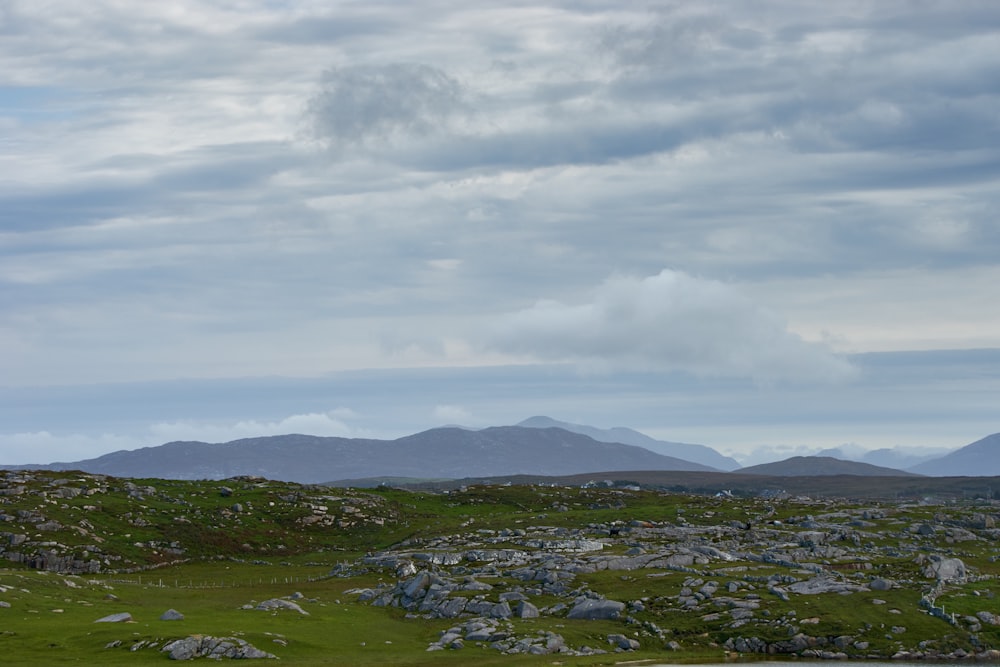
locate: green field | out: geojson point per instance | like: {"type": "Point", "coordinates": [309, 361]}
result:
{"type": "Point", "coordinates": [693, 572]}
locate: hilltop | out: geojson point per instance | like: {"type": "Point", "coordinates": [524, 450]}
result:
{"type": "Point", "coordinates": [811, 466]}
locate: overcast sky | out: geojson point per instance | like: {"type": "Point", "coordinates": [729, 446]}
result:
{"type": "Point", "coordinates": [769, 224]}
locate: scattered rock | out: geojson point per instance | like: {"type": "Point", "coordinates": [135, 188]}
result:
{"type": "Point", "coordinates": [278, 603]}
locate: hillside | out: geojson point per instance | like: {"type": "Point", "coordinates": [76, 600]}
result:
{"type": "Point", "coordinates": [441, 452]}
{"type": "Point", "coordinates": [706, 456]}
{"type": "Point", "coordinates": [110, 571]}
{"type": "Point", "coordinates": [811, 466]}
{"type": "Point", "coordinates": [977, 459]}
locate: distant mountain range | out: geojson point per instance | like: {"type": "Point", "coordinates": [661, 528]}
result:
{"type": "Point", "coordinates": [536, 446]}
{"type": "Point", "coordinates": [981, 458]}
{"type": "Point", "coordinates": [813, 466]}
{"type": "Point", "coordinates": [901, 458]}
{"type": "Point", "coordinates": [437, 453]}
{"type": "Point", "coordinates": [706, 456]}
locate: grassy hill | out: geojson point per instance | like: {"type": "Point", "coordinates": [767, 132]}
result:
{"type": "Point", "coordinates": [696, 576]}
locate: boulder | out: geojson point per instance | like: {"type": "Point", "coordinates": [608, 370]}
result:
{"type": "Point", "coordinates": [597, 610]}
{"type": "Point", "coordinates": [121, 617]}
{"type": "Point", "coordinates": [946, 569]}
{"type": "Point", "coordinates": [199, 646]}
{"type": "Point", "coordinates": [624, 643]}
{"type": "Point", "coordinates": [171, 615]}
{"type": "Point", "coordinates": [525, 609]}
{"type": "Point", "coordinates": [880, 584]}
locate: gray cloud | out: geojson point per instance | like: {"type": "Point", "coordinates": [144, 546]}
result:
{"type": "Point", "coordinates": [360, 103]}
{"type": "Point", "coordinates": [162, 216]}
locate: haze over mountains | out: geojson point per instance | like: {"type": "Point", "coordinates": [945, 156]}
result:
{"type": "Point", "coordinates": [695, 453]}
{"type": "Point", "coordinates": [536, 446]}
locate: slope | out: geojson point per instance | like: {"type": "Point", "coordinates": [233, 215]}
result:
{"type": "Point", "coordinates": [812, 466]}
{"type": "Point", "coordinates": [981, 458]}
{"type": "Point", "coordinates": [442, 452]}
{"type": "Point", "coordinates": [700, 454]}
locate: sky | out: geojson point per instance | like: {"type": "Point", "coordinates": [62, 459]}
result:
{"type": "Point", "coordinates": [769, 228]}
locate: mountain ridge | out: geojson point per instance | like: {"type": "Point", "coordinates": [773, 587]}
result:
{"type": "Point", "coordinates": [441, 452]}
{"type": "Point", "coordinates": [817, 466]}
{"type": "Point", "coordinates": [689, 452]}
{"type": "Point", "coordinates": [977, 459]}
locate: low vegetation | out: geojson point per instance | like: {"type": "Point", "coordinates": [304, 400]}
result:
{"type": "Point", "coordinates": [502, 574]}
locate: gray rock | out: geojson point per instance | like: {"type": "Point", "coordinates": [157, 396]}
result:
{"type": "Point", "coordinates": [880, 584]}
{"type": "Point", "coordinates": [987, 617]}
{"type": "Point", "coordinates": [624, 643]}
{"type": "Point", "coordinates": [278, 603]}
{"type": "Point", "coordinates": [198, 646]}
{"type": "Point", "coordinates": [122, 617]}
{"type": "Point", "coordinates": [500, 610]}
{"type": "Point", "coordinates": [417, 586]}
{"type": "Point", "coordinates": [171, 615]}
{"type": "Point", "coordinates": [452, 607]}
{"type": "Point", "coordinates": [597, 610]}
{"type": "Point", "coordinates": [525, 609]}
{"type": "Point", "coordinates": [512, 596]}
{"type": "Point", "coordinates": [946, 569]}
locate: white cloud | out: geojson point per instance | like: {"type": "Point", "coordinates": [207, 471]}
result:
{"type": "Point", "coordinates": [670, 321]}
{"type": "Point", "coordinates": [451, 414]}
{"type": "Point", "coordinates": [47, 447]}
{"type": "Point", "coordinates": [321, 424]}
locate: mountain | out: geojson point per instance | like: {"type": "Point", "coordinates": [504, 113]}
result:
{"type": "Point", "coordinates": [812, 466]}
{"type": "Point", "coordinates": [900, 458]}
{"type": "Point", "coordinates": [981, 458]}
{"type": "Point", "coordinates": [701, 454]}
{"type": "Point", "coordinates": [437, 453]}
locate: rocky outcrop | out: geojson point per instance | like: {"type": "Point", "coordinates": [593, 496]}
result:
{"type": "Point", "coordinates": [203, 646]}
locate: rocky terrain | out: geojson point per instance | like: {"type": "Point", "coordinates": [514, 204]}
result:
{"type": "Point", "coordinates": [584, 573]}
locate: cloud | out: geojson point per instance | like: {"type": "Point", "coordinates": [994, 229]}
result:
{"type": "Point", "coordinates": [323, 424]}
{"type": "Point", "coordinates": [363, 103]}
{"type": "Point", "coordinates": [48, 447]}
{"type": "Point", "coordinates": [670, 321]}
{"type": "Point", "coordinates": [451, 414]}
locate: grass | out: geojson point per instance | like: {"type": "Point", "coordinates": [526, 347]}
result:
{"type": "Point", "coordinates": [187, 546]}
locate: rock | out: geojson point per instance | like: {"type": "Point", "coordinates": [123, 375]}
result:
{"type": "Point", "coordinates": [624, 643]}
{"type": "Point", "coordinates": [171, 615]}
{"type": "Point", "coordinates": [200, 646]}
{"type": "Point", "coordinates": [278, 603]}
{"type": "Point", "coordinates": [880, 584]}
{"type": "Point", "coordinates": [597, 610]}
{"type": "Point", "coordinates": [500, 610]}
{"type": "Point", "coordinates": [818, 585]}
{"type": "Point", "coordinates": [946, 569]}
{"type": "Point", "coordinates": [122, 617]}
{"type": "Point", "coordinates": [417, 586]}
{"type": "Point", "coordinates": [512, 596]}
{"type": "Point", "coordinates": [525, 609]}
{"type": "Point", "coordinates": [988, 617]}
